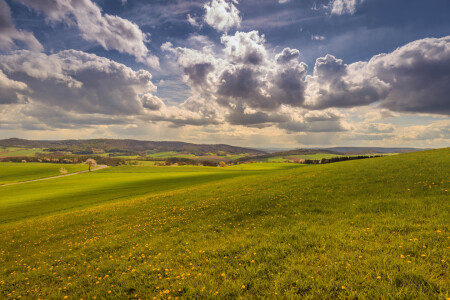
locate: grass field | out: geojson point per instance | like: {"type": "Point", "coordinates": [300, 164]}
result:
{"type": "Point", "coordinates": [367, 229]}
{"type": "Point", "coordinates": [15, 151]}
{"type": "Point", "coordinates": [115, 183]}
{"type": "Point", "coordinates": [16, 172]}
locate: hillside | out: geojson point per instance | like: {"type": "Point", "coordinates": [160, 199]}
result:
{"type": "Point", "coordinates": [288, 153]}
{"type": "Point", "coordinates": [116, 145]}
{"type": "Point", "coordinates": [367, 229]}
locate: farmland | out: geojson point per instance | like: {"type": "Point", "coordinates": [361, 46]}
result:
{"type": "Point", "coordinates": [375, 228]}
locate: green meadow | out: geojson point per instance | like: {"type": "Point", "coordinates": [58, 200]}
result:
{"type": "Point", "coordinates": [365, 229]}
{"type": "Point", "coordinates": [112, 184]}
{"type": "Point", "coordinates": [16, 172]}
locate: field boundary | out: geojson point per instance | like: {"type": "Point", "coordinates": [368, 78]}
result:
{"type": "Point", "coordinates": [58, 176]}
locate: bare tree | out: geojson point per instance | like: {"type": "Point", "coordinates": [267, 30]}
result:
{"type": "Point", "coordinates": [91, 163]}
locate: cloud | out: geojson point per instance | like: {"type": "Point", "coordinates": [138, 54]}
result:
{"type": "Point", "coordinates": [287, 55]}
{"type": "Point", "coordinates": [439, 130]}
{"type": "Point", "coordinates": [192, 21]}
{"type": "Point", "coordinates": [376, 128]}
{"type": "Point", "coordinates": [317, 37]}
{"type": "Point", "coordinates": [222, 15]}
{"type": "Point", "coordinates": [10, 90]}
{"type": "Point", "coordinates": [194, 111]}
{"type": "Point", "coordinates": [9, 33]}
{"type": "Point", "coordinates": [341, 7]}
{"type": "Point", "coordinates": [111, 32]}
{"type": "Point", "coordinates": [418, 75]}
{"type": "Point", "coordinates": [313, 121]}
{"type": "Point", "coordinates": [151, 102]}
{"type": "Point", "coordinates": [245, 47]}
{"type": "Point", "coordinates": [379, 114]}
{"type": "Point", "coordinates": [76, 81]}
{"type": "Point", "coordinates": [247, 86]}
{"type": "Point", "coordinates": [335, 84]}
{"type": "Point", "coordinates": [413, 78]}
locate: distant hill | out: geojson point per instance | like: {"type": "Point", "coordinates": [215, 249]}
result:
{"type": "Point", "coordinates": [335, 150]}
{"type": "Point", "coordinates": [288, 153]}
{"type": "Point", "coordinates": [371, 150]}
{"type": "Point", "coordinates": [126, 145]}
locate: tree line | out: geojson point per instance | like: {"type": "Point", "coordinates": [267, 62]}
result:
{"type": "Point", "coordinates": [335, 159]}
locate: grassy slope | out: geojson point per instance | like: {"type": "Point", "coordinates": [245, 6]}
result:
{"type": "Point", "coordinates": [18, 202]}
{"type": "Point", "coordinates": [16, 172]}
{"type": "Point", "coordinates": [370, 229]}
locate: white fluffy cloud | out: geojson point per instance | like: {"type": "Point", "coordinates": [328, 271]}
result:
{"type": "Point", "coordinates": [9, 34]}
{"type": "Point", "coordinates": [75, 81]}
{"type": "Point", "coordinates": [151, 102]}
{"type": "Point", "coordinates": [341, 7]}
{"type": "Point", "coordinates": [111, 32]}
{"type": "Point", "coordinates": [222, 15]}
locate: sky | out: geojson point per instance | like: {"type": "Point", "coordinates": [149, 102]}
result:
{"type": "Point", "coordinates": [254, 73]}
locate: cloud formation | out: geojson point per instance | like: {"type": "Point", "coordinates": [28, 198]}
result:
{"type": "Point", "coordinates": [247, 87]}
{"type": "Point", "coordinates": [222, 15]}
{"type": "Point", "coordinates": [75, 81]}
{"type": "Point", "coordinates": [151, 102]}
{"type": "Point", "coordinates": [9, 34]}
{"type": "Point", "coordinates": [111, 32]}
{"type": "Point", "coordinates": [245, 76]}
{"type": "Point", "coordinates": [10, 90]}
{"type": "Point", "coordinates": [413, 78]}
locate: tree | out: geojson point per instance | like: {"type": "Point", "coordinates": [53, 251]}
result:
{"type": "Point", "coordinates": [63, 171]}
{"type": "Point", "coordinates": [91, 163]}
{"type": "Point", "coordinates": [222, 164]}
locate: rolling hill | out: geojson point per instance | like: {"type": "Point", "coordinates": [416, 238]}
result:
{"type": "Point", "coordinates": [366, 229]}
{"type": "Point", "coordinates": [126, 145]}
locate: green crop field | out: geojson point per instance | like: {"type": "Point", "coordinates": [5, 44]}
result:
{"type": "Point", "coordinates": [15, 172]}
{"type": "Point", "coordinates": [365, 229]}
